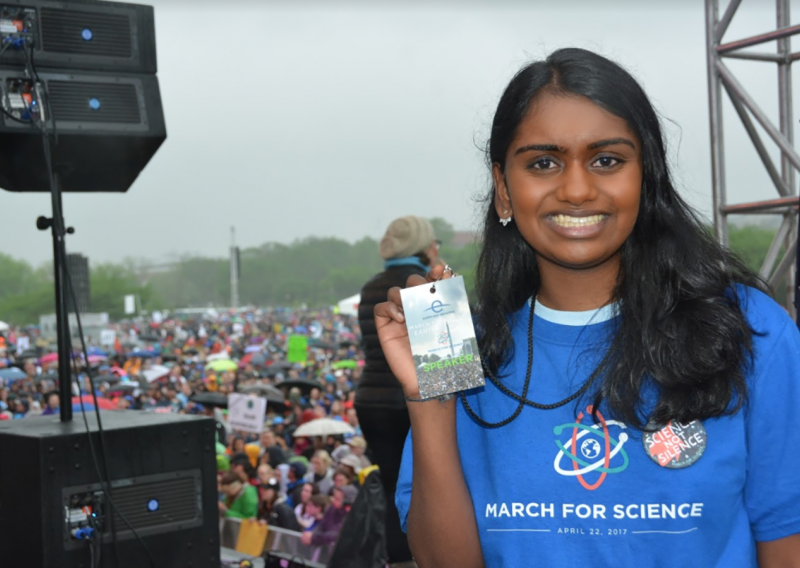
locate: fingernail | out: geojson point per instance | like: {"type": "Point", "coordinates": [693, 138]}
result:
{"type": "Point", "coordinates": [401, 317]}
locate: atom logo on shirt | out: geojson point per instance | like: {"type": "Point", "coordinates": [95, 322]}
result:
{"type": "Point", "coordinates": [608, 453]}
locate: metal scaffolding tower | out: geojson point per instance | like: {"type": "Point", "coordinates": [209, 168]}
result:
{"type": "Point", "coordinates": [779, 266]}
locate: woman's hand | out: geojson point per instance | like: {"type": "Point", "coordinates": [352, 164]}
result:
{"type": "Point", "coordinates": [390, 322]}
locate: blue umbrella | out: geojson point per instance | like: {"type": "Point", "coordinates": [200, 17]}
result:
{"type": "Point", "coordinates": [97, 351]}
{"type": "Point", "coordinates": [12, 374]}
{"type": "Point", "coordinates": [143, 354]}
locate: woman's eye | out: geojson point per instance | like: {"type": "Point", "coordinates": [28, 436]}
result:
{"type": "Point", "coordinates": [544, 164]}
{"type": "Point", "coordinates": [606, 162]}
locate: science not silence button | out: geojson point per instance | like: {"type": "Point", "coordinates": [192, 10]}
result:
{"type": "Point", "coordinates": [675, 445]}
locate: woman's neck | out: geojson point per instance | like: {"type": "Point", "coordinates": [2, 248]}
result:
{"type": "Point", "coordinates": [571, 290]}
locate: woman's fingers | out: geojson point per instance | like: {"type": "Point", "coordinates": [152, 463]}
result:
{"type": "Point", "coordinates": [439, 272]}
{"type": "Point", "coordinates": [389, 311]}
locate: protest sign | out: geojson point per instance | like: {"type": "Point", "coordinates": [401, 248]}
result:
{"type": "Point", "coordinates": [246, 413]}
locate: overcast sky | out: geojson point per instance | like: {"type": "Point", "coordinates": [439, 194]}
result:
{"type": "Point", "coordinates": [290, 119]}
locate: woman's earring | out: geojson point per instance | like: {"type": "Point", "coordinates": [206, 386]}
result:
{"type": "Point", "coordinates": [505, 220]}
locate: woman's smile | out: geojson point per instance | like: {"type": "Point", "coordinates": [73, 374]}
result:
{"type": "Point", "coordinates": [577, 226]}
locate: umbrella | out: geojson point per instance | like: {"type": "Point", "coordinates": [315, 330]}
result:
{"type": "Point", "coordinates": [258, 360]}
{"type": "Point", "coordinates": [4, 326]}
{"type": "Point", "coordinates": [49, 358]}
{"type": "Point", "coordinates": [97, 359]}
{"type": "Point", "coordinates": [222, 365]}
{"type": "Point", "coordinates": [210, 399]}
{"type": "Point", "coordinates": [88, 403]}
{"type": "Point", "coordinates": [149, 338]}
{"type": "Point", "coordinates": [141, 354]}
{"type": "Point", "coordinates": [301, 329]}
{"type": "Point", "coordinates": [268, 391]}
{"type": "Point", "coordinates": [155, 372]}
{"type": "Point", "coordinates": [29, 354]}
{"type": "Point", "coordinates": [110, 379]}
{"type": "Point", "coordinates": [48, 377]}
{"type": "Point", "coordinates": [346, 364]}
{"type": "Point", "coordinates": [252, 349]}
{"type": "Point", "coordinates": [246, 359]}
{"type": "Point", "coordinates": [320, 344]}
{"type": "Point", "coordinates": [221, 356]}
{"type": "Point", "coordinates": [96, 351]}
{"type": "Point", "coordinates": [126, 388]}
{"type": "Point", "coordinates": [323, 427]}
{"type": "Point", "coordinates": [280, 365]}
{"type": "Point", "coordinates": [302, 384]}
{"type": "Point", "coordinates": [12, 374]}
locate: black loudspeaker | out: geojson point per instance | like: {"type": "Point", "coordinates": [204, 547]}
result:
{"type": "Point", "coordinates": [163, 473]}
{"type": "Point", "coordinates": [78, 268]}
{"type": "Point", "coordinates": [95, 87]}
{"type": "Point", "coordinates": [87, 35]}
{"type": "Point", "coordinates": [108, 129]}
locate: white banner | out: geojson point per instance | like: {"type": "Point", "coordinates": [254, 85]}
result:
{"type": "Point", "coordinates": [246, 413]}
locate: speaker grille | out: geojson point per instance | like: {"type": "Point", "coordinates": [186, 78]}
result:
{"type": "Point", "coordinates": [86, 33]}
{"type": "Point", "coordinates": [94, 102]}
{"type": "Point", "coordinates": [176, 501]}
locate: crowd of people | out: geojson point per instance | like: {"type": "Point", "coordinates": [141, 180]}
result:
{"type": "Point", "coordinates": [297, 483]}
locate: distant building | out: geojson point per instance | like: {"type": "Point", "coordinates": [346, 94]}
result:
{"type": "Point", "coordinates": [92, 325]}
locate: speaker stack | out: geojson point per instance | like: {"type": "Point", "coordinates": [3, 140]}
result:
{"type": "Point", "coordinates": [97, 62]}
{"type": "Point", "coordinates": [142, 491]}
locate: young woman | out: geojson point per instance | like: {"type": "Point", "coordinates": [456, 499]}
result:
{"type": "Point", "coordinates": [306, 518]}
{"type": "Point", "coordinates": [640, 389]}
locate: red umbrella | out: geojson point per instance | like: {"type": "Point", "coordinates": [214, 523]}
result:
{"type": "Point", "coordinates": [49, 358]}
{"type": "Point", "coordinates": [246, 359]}
{"type": "Point", "coordinates": [103, 403]}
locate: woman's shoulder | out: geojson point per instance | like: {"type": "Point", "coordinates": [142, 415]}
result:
{"type": "Point", "coordinates": [764, 315]}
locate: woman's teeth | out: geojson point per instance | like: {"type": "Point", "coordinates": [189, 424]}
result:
{"type": "Point", "coordinates": [570, 221]}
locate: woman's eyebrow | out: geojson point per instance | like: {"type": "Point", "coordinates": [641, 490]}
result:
{"type": "Point", "coordinates": [611, 142]}
{"type": "Point", "coordinates": [539, 148]}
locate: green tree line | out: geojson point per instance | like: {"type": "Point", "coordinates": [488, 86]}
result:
{"type": "Point", "coordinates": [313, 271]}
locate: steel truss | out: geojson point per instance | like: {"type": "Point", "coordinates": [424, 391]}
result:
{"type": "Point", "coordinates": [778, 269]}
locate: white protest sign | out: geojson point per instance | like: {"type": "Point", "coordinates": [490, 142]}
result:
{"type": "Point", "coordinates": [130, 304]}
{"type": "Point", "coordinates": [108, 337]}
{"type": "Point", "coordinates": [246, 412]}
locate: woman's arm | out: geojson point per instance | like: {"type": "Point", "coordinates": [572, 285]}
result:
{"type": "Point", "coordinates": [442, 531]}
{"type": "Point", "coordinates": [781, 553]}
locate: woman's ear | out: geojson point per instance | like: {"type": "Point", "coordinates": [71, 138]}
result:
{"type": "Point", "coordinates": [502, 200]}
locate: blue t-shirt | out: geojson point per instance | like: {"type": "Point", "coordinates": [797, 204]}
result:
{"type": "Point", "coordinates": [610, 501]}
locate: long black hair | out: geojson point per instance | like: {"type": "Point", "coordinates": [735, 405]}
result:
{"type": "Point", "coordinates": [681, 328]}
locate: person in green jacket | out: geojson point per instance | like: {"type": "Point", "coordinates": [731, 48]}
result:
{"type": "Point", "coordinates": [241, 499]}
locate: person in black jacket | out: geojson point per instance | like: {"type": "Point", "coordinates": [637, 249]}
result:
{"type": "Point", "coordinates": [272, 511]}
{"type": "Point", "coordinates": [408, 247]}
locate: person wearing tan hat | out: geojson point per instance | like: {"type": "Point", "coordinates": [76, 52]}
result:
{"type": "Point", "coordinates": [409, 247]}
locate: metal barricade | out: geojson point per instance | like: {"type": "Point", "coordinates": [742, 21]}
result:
{"type": "Point", "coordinates": [278, 539]}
